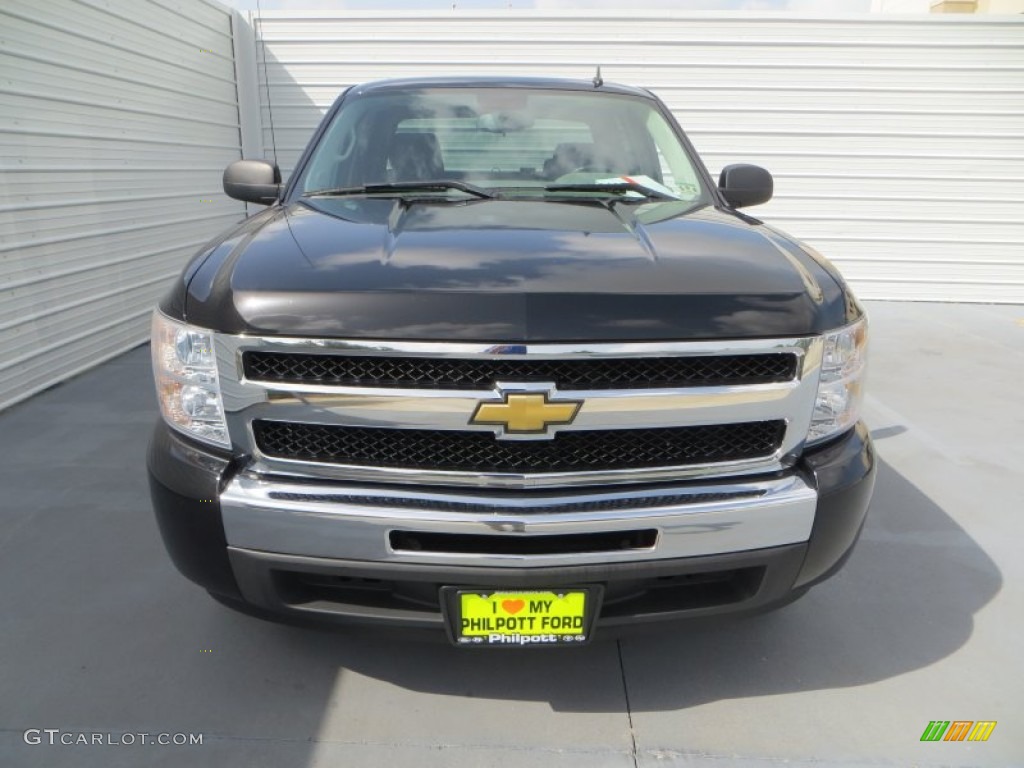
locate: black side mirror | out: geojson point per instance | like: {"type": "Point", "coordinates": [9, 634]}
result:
{"type": "Point", "coordinates": [743, 185]}
{"type": "Point", "coordinates": [253, 181]}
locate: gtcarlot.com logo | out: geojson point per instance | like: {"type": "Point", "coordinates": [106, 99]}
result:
{"type": "Point", "coordinates": [958, 730]}
{"type": "Point", "coordinates": [55, 736]}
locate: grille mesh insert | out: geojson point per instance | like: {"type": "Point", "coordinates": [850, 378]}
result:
{"type": "Point", "coordinates": [583, 451]}
{"type": "Point", "coordinates": [445, 373]}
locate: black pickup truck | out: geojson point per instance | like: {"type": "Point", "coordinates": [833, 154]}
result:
{"type": "Point", "coordinates": [500, 359]}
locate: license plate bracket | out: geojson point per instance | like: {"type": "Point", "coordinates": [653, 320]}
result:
{"type": "Point", "coordinates": [489, 617]}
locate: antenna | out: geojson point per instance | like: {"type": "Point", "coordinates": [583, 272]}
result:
{"type": "Point", "coordinates": [598, 82]}
{"type": "Point", "coordinates": [266, 80]}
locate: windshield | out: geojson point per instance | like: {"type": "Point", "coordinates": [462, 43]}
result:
{"type": "Point", "coordinates": [515, 142]}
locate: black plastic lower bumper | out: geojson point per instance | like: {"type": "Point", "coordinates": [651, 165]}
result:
{"type": "Point", "coordinates": [408, 595]}
{"type": "Point", "coordinates": [185, 481]}
{"type": "Point", "coordinates": [184, 484]}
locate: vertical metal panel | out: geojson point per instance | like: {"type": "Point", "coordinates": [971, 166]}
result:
{"type": "Point", "coordinates": [116, 121]}
{"type": "Point", "coordinates": [897, 143]}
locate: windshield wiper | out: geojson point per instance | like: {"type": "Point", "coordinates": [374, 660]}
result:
{"type": "Point", "coordinates": [619, 186]}
{"type": "Point", "coordinates": [398, 187]}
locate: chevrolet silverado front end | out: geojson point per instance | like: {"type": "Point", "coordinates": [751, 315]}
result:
{"type": "Point", "coordinates": [501, 360]}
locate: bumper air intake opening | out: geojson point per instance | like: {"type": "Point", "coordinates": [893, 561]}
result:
{"type": "Point", "coordinates": [610, 541]}
{"type": "Point", "coordinates": [623, 599]}
{"type": "Point", "coordinates": [683, 592]}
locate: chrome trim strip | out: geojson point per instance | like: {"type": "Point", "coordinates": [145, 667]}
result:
{"type": "Point", "coordinates": [273, 468]}
{"type": "Point", "coordinates": [557, 351]}
{"type": "Point", "coordinates": [602, 408]}
{"type": "Point", "coordinates": [779, 511]}
{"type": "Point", "coordinates": [245, 401]}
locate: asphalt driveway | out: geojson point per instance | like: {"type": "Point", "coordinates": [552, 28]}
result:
{"type": "Point", "coordinates": [101, 636]}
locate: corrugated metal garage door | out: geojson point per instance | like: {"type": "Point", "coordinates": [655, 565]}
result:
{"type": "Point", "coordinates": [116, 121]}
{"type": "Point", "coordinates": [897, 143]}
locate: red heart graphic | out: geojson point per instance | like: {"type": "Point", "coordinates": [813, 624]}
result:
{"type": "Point", "coordinates": [513, 606]}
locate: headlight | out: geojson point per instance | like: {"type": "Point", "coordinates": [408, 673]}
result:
{"type": "Point", "coordinates": [185, 369]}
{"type": "Point", "coordinates": [841, 386]}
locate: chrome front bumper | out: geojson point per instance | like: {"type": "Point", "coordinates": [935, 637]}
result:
{"type": "Point", "coordinates": [355, 523]}
{"type": "Point", "coordinates": [313, 555]}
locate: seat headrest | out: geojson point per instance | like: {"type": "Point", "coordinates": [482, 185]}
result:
{"type": "Point", "coordinates": [575, 153]}
{"type": "Point", "coordinates": [416, 157]}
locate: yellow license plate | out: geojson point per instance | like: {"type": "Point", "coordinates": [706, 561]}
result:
{"type": "Point", "coordinates": [521, 618]}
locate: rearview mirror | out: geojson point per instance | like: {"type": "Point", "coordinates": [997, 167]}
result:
{"type": "Point", "coordinates": [743, 185]}
{"type": "Point", "coordinates": [504, 122]}
{"type": "Point", "coordinates": [253, 181]}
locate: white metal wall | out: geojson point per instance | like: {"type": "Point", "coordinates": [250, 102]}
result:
{"type": "Point", "coordinates": [897, 143]}
{"type": "Point", "coordinates": [117, 118]}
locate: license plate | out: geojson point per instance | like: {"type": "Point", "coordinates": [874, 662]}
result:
{"type": "Point", "coordinates": [519, 618]}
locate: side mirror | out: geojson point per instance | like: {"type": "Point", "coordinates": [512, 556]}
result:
{"type": "Point", "coordinates": [743, 185]}
{"type": "Point", "coordinates": [253, 181]}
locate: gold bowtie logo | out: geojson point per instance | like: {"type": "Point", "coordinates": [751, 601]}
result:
{"type": "Point", "coordinates": [526, 414]}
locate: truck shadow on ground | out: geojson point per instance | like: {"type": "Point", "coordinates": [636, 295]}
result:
{"type": "Point", "coordinates": [905, 600]}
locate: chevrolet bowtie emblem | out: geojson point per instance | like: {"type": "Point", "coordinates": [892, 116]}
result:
{"type": "Point", "coordinates": [528, 413]}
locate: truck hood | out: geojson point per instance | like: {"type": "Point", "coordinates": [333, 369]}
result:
{"type": "Point", "coordinates": [511, 270]}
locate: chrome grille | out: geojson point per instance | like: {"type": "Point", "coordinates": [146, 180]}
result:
{"type": "Point", "coordinates": [479, 452]}
{"type": "Point", "coordinates": [401, 412]}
